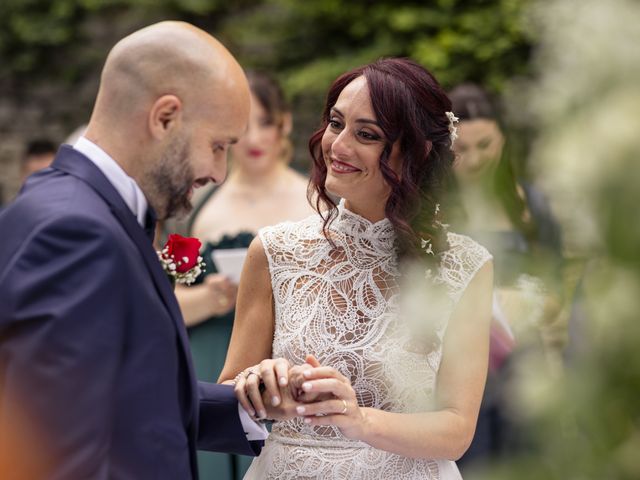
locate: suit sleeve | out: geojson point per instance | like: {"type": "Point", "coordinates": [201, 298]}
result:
{"type": "Point", "coordinates": [220, 428]}
{"type": "Point", "coordinates": [61, 336]}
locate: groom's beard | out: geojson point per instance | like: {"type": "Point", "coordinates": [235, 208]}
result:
{"type": "Point", "coordinates": [172, 180]}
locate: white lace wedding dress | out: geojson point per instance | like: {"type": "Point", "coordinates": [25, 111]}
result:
{"type": "Point", "coordinates": [338, 305]}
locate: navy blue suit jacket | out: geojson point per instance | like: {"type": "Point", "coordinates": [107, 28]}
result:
{"type": "Point", "coordinates": [96, 379]}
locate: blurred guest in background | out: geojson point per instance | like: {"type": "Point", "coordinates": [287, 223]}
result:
{"type": "Point", "coordinates": [512, 219]}
{"type": "Point", "coordinates": [261, 190]}
{"type": "Point", "coordinates": [39, 154]}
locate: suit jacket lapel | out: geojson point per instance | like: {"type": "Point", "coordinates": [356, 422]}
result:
{"type": "Point", "coordinates": [75, 163]}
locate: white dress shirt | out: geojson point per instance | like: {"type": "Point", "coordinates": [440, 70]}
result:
{"type": "Point", "coordinates": [137, 202]}
{"type": "Point", "coordinates": [123, 183]}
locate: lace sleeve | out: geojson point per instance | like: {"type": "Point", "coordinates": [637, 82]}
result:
{"type": "Point", "coordinates": [266, 235]}
{"type": "Point", "coordinates": [460, 263]}
{"type": "Point", "coordinates": [272, 238]}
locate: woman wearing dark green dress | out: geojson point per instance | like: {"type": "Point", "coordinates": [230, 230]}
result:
{"type": "Point", "coordinates": [261, 190]}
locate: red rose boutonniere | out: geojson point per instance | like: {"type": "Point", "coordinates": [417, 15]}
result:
{"type": "Point", "coordinates": [180, 258]}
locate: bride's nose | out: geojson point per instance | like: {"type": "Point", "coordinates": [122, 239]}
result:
{"type": "Point", "coordinates": [341, 145]}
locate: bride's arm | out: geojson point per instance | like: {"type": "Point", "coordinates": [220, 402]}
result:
{"type": "Point", "coordinates": [252, 334]}
{"type": "Point", "coordinates": [445, 433]}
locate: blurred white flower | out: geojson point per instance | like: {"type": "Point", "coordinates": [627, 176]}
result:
{"type": "Point", "coordinates": [586, 102]}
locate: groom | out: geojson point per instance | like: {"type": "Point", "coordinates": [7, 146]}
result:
{"type": "Point", "coordinates": [96, 380]}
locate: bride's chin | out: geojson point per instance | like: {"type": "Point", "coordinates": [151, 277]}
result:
{"type": "Point", "coordinates": [334, 188]}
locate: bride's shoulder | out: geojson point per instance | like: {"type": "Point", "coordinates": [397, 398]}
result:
{"type": "Point", "coordinates": [462, 260]}
{"type": "Point", "coordinates": [465, 246]}
{"type": "Point", "coordinates": [301, 228]}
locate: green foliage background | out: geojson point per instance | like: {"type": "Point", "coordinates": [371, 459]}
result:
{"type": "Point", "coordinates": [481, 40]}
{"type": "Point", "coordinates": [306, 43]}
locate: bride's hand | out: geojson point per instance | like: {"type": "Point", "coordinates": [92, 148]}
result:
{"type": "Point", "coordinates": [341, 409]}
{"type": "Point", "coordinates": [247, 387]}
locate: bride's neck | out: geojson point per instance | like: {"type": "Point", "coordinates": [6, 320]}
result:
{"type": "Point", "coordinates": [374, 212]}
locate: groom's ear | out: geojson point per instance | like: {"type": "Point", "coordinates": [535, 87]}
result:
{"type": "Point", "coordinates": [165, 114]}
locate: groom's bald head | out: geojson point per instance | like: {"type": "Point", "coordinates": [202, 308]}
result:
{"type": "Point", "coordinates": [171, 101]}
{"type": "Point", "coordinates": [166, 58]}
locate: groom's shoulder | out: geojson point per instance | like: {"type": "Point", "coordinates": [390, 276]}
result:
{"type": "Point", "coordinates": [54, 205]}
{"type": "Point", "coordinates": [55, 191]}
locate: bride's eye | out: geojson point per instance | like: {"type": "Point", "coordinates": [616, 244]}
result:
{"type": "Point", "coordinates": [335, 124]}
{"type": "Point", "coordinates": [368, 135]}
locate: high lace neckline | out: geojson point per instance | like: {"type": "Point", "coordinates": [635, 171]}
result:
{"type": "Point", "coordinates": [381, 233]}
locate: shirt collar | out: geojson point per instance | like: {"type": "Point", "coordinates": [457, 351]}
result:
{"type": "Point", "coordinates": [123, 183]}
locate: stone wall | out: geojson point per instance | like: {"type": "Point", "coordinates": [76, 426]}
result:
{"type": "Point", "coordinates": [49, 111]}
{"type": "Point", "coordinates": [50, 106]}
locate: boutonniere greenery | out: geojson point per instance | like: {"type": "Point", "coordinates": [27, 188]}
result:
{"type": "Point", "coordinates": [180, 258]}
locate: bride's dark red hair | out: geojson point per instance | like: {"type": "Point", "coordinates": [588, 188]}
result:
{"type": "Point", "coordinates": [410, 107]}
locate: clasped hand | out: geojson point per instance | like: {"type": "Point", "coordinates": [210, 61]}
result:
{"type": "Point", "coordinates": [321, 395]}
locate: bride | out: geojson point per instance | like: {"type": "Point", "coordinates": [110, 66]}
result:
{"type": "Point", "coordinates": [395, 394]}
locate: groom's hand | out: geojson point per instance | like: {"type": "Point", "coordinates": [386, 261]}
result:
{"type": "Point", "coordinates": [297, 378]}
{"type": "Point", "coordinates": [286, 408]}
{"type": "Point", "coordinates": [290, 393]}
{"type": "Point", "coordinates": [257, 386]}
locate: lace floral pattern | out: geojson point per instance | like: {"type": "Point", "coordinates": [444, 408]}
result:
{"type": "Point", "coordinates": [342, 305]}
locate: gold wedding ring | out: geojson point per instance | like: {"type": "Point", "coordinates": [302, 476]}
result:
{"type": "Point", "coordinates": [344, 410]}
